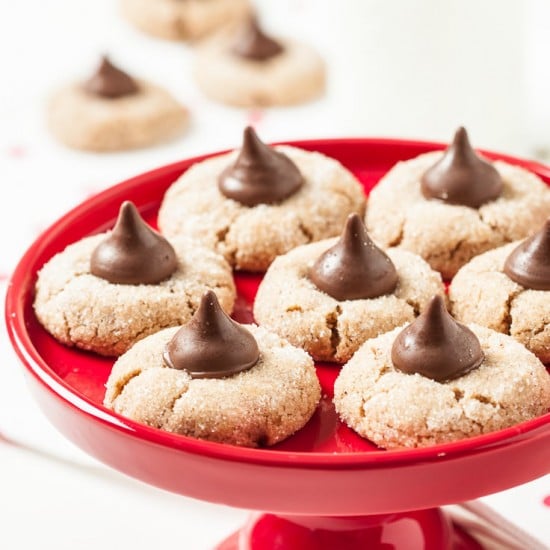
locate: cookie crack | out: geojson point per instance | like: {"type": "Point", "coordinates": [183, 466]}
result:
{"type": "Point", "coordinates": [400, 236]}
{"type": "Point", "coordinates": [455, 249]}
{"type": "Point", "coordinates": [494, 227]}
{"type": "Point", "coordinates": [221, 234]}
{"type": "Point", "coordinates": [507, 320]}
{"type": "Point", "coordinates": [305, 231]}
{"type": "Point", "coordinates": [484, 399]}
{"type": "Point", "coordinates": [332, 324]}
{"type": "Point", "coordinates": [172, 406]}
{"type": "Point", "coordinates": [458, 394]}
{"type": "Point", "coordinates": [66, 329]}
{"type": "Point", "coordinates": [221, 246]}
{"type": "Point", "coordinates": [414, 304]}
{"type": "Point", "coordinates": [123, 382]}
{"type": "Point", "coordinates": [382, 372]}
{"type": "Point", "coordinates": [531, 332]}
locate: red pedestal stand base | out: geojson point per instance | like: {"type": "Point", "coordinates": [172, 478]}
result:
{"type": "Point", "coordinates": [419, 530]}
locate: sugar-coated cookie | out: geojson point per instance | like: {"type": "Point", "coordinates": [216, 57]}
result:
{"type": "Point", "coordinates": [331, 323]}
{"type": "Point", "coordinates": [113, 112]}
{"type": "Point", "coordinates": [486, 292]}
{"type": "Point", "coordinates": [181, 386]}
{"type": "Point", "coordinates": [282, 197]}
{"type": "Point", "coordinates": [504, 385]}
{"type": "Point", "coordinates": [83, 309]}
{"type": "Point", "coordinates": [250, 69]}
{"type": "Point", "coordinates": [471, 212]}
{"type": "Point", "coordinates": [183, 20]}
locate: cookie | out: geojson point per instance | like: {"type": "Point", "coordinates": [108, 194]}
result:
{"type": "Point", "coordinates": [250, 234]}
{"type": "Point", "coordinates": [250, 69]}
{"type": "Point", "coordinates": [189, 20]}
{"type": "Point", "coordinates": [483, 292]}
{"type": "Point", "coordinates": [112, 113]}
{"type": "Point", "coordinates": [447, 235]}
{"type": "Point", "coordinates": [252, 405]}
{"type": "Point", "coordinates": [83, 309]}
{"type": "Point", "coordinates": [396, 409]}
{"type": "Point", "coordinates": [331, 328]}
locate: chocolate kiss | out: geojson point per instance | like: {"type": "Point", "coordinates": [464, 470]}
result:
{"type": "Point", "coordinates": [109, 81]}
{"type": "Point", "coordinates": [260, 175]}
{"type": "Point", "coordinates": [436, 346]}
{"type": "Point", "coordinates": [354, 267]}
{"type": "Point", "coordinates": [461, 176]}
{"type": "Point", "coordinates": [211, 344]}
{"type": "Point", "coordinates": [529, 263]}
{"type": "Point", "coordinates": [133, 253]}
{"type": "Point", "coordinates": [252, 43]}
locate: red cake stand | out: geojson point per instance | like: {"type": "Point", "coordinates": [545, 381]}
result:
{"type": "Point", "coordinates": [325, 487]}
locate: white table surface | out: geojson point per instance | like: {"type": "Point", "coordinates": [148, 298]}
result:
{"type": "Point", "coordinates": [52, 495]}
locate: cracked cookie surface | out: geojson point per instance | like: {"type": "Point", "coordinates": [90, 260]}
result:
{"type": "Point", "coordinates": [394, 409]}
{"type": "Point", "coordinates": [82, 310]}
{"type": "Point", "coordinates": [448, 236]}
{"type": "Point", "coordinates": [251, 237]}
{"type": "Point", "coordinates": [482, 293]}
{"type": "Point", "coordinates": [257, 407]}
{"type": "Point", "coordinates": [289, 304]}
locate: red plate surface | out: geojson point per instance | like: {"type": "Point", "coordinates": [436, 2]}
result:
{"type": "Point", "coordinates": [324, 458]}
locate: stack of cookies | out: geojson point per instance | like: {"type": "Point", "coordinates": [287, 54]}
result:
{"type": "Point", "coordinates": [354, 284]}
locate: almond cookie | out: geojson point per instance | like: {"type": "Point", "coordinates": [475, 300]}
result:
{"type": "Point", "coordinates": [113, 112]}
{"type": "Point", "coordinates": [107, 291]}
{"type": "Point", "coordinates": [188, 20]}
{"type": "Point", "coordinates": [508, 290]}
{"type": "Point", "coordinates": [450, 206]}
{"type": "Point", "coordinates": [439, 381]}
{"type": "Point", "coordinates": [254, 204]}
{"type": "Point", "coordinates": [331, 296]}
{"type": "Point", "coordinates": [250, 69]}
{"type": "Point", "coordinates": [215, 379]}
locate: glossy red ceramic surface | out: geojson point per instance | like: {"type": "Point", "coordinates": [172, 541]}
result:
{"type": "Point", "coordinates": [325, 469]}
{"type": "Point", "coordinates": [420, 530]}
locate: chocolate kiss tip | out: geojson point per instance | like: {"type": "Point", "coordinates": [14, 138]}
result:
{"type": "Point", "coordinates": [211, 344]}
{"type": "Point", "coordinates": [253, 44]}
{"type": "Point", "coordinates": [355, 225]}
{"type": "Point", "coordinates": [109, 81]}
{"type": "Point", "coordinates": [461, 176]}
{"type": "Point", "coordinates": [133, 253]}
{"type": "Point", "coordinates": [436, 346]}
{"type": "Point", "coordinates": [259, 175]}
{"type": "Point", "coordinates": [251, 141]}
{"type": "Point", "coordinates": [461, 135]}
{"type": "Point", "coordinates": [354, 268]}
{"type": "Point", "coordinates": [529, 262]}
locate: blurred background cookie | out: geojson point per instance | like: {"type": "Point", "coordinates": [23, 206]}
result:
{"type": "Point", "coordinates": [112, 111]}
{"type": "Point", "coordinates": [183, 20]}
{"type": "Point", "coordinates": [248, 68]}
